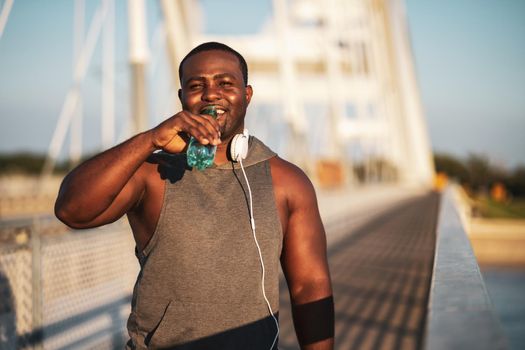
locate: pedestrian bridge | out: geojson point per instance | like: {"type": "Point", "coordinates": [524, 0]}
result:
{"type": "Point", "coordinates": [403, 271]}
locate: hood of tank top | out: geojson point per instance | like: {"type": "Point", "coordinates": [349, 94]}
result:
{"type": "Point", "coordinates": [173, 166]}
{"type": "Point", "coordinates": [257, 152]}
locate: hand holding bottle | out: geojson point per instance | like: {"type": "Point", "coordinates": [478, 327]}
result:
{"type": "Point", "coordinates": [173, 135]}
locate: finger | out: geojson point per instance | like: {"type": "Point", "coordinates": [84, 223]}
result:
{"type": "Point", "coordinates": [212, 121]}
{"type": "Point", "coordinates": [199, 128]}
{"type": "Point", "coordinates": [210, 124]}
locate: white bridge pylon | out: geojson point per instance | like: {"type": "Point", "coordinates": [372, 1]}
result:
{"type": "Point", "coordinates": [70, 115]}
{"type": "Point", "coordinates": [350, 66]}
{"type": "Point", "coordinates": [333, 80]}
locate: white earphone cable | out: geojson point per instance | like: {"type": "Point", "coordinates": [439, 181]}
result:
{"type": "Point", "coordinates": [252, 222]}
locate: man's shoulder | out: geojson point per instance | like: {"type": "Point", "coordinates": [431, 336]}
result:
{"type": "Point", "coordinates": [288, 175]}
{"type": "Point", "coordinates": [257, 152]}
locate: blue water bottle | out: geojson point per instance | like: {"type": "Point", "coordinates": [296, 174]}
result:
{"type": "Point", "coordinates": [201, 156]}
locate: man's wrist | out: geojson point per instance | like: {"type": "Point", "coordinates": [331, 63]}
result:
{"type": "Point", "coordinates": [314, 321]}
{"type": "Point", "coordinates": [150, 140]}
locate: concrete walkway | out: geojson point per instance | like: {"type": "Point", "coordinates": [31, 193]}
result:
{"type": "Point", "coordinates": [381, 259]}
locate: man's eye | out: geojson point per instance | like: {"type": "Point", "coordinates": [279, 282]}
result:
{"type": "Point", "coordinates": [226, 83]}
{"type": "Point", "coordinates": [194, 86]}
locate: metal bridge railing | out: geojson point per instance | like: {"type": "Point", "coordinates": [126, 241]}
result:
{"type": "Point", "coordinates": [67, 290]}
{"type": "Point", "coordinates": [460, 313]}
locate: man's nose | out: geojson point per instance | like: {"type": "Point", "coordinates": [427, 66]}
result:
{"type": "Point", "coordinates": [211, 93]}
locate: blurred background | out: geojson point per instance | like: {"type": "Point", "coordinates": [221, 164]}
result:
{"type": "Point", "coordinates": [377, 100]}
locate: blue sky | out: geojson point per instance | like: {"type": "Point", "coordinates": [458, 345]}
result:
{"type": "Point", "coordinates": [470, 59]}
{"type": "Point", "coordinates": [469, 54]}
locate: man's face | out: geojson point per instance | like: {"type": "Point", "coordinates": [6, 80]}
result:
{"type": "Point", "coordinates": [215, 78]}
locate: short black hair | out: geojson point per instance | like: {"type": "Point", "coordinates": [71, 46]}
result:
{"type": "Point", "coordinates": [213, 45]}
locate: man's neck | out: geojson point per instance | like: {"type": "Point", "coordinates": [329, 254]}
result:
{"type": "Point", "coordinates": [221, 154]}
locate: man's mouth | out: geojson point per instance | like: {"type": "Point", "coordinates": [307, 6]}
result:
{"type": "Point", "coordinates": [219, 110]}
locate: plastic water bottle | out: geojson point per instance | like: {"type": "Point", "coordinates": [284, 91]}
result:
{"type": "Point", "coordinates": [201, 156]}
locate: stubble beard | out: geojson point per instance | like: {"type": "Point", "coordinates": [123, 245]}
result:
{"type": "Point", "coordinates": [228, 130]}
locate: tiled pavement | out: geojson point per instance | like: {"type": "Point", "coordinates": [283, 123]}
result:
{"type": "Point", "coordinates": [381, 275]}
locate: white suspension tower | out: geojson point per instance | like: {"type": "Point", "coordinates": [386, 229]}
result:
{"type": "Point", "coordinates": [69, 117]}
{"type": "Point", "coordinates": [138, 57]}
{"type": "Point", "coordinates": [292, 106]}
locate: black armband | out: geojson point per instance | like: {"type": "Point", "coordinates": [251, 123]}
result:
{"type": "Point", "coordinates": [314, 321]}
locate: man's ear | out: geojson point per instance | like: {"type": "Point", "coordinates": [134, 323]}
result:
{"type": "Point", "coordinates": [249, 94]}
{"type": "Point", "coordinates": [179, 93]}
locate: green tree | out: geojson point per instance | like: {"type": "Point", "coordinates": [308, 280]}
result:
{"type": "Point", "coordinates": [451, 166]}
{"type": "Point", "coordinates": [480, 172]}
{"type": "Point", "coordinates": [516, 182]}
{"type": "Point", "coordinates": [27, 163]}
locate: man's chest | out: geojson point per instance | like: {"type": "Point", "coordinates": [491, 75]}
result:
{"type": "Point", "coordinates": [268, 199]}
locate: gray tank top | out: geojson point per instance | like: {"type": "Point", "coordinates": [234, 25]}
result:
{"type": "Point", "coordinates": [199, 286]}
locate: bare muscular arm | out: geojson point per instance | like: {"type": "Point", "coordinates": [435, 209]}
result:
{"type": "Point", "coordinates": [105, 187]}
{"type": "Point", "coordinates": [304, 259]}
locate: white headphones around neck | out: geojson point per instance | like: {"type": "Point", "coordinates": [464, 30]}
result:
{"type": "Point", "coordinates": [239, 146]}
{"type": "Point", "coordinates": [238, 152]}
